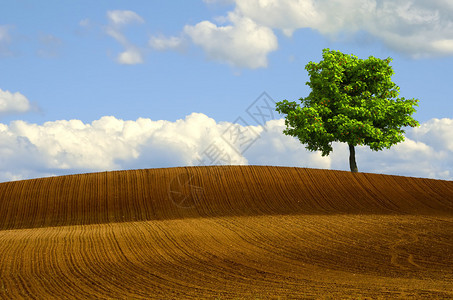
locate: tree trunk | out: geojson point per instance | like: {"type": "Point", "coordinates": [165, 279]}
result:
{"type": "Point", "coordinates": [352, 163]}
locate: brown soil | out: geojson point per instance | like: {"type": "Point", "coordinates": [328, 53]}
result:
{"type": "Point", "coordinates": [226, 232]}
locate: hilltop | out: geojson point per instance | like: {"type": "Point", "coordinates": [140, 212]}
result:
{"type": "Point", "coordinates": [227, 232]}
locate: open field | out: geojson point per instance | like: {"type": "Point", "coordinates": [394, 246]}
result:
{"type": "Point", "coordinates": [226, 232]}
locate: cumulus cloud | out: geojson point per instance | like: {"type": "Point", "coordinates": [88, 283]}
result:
{"type": "Point", "coordinates": [416, 27]}
{"type": "Point", "coordinates": [242, 44]}
{"type": "Point", "coordinates": [13, 103]}
{"type": "Point", "coordinates": [117, 20]}
{"type": "Point", "coordinates": [436, 132]}
{"type": "Point", "coordinates": [275, 148]}
{"type": "Point", "coordinates": [286, 15]}
{"type": "Point", "coordinates": [65, 147]}
{"type": "Point", "coordinates": [426, 152]}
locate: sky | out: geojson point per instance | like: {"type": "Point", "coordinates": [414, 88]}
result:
{"type": "Point", "coordinates": [90, 86]}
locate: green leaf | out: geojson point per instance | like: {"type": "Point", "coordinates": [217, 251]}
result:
{"type": "Point", "coordinates": [350, 97]}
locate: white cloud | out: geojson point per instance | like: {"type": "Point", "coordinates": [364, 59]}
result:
{"type": "Point", "coordinates": [436, 132]}
{"type": "Point", "coordinates": [131, 56]}
{"type": "Point", "coordinates": [117, 19]}
{"type": "Point", "coordinates": [13, 103]}
{"type": "Point", "coordinates": [245, 36]}
{"type": "Point", "coordinates": [416, 27]}
{"type": "Point", "coordinates": [443, 46]}
{"type": "Point", "coordinates": [426, 152]}
{"type": "Point", "coordinates": [62, 147]}
{"type": "Point", "coordinates": [275, 148]}
{"type": "Point", "coordinates": [242, 44]}
{"type": "Point", "coordinates": [123, 17]}
{"type": "Point", "coordinates": [65, 147]}
{"type": "Point", "coordinates": [162, 43]}
{"type": "Point", "coordinates": [286, 15]}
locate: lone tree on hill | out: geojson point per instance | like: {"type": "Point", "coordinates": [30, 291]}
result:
{"type": "Point", "coordinates": [352, 101]}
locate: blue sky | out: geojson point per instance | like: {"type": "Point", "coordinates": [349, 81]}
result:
{"type": "Point", "coordinates": [104, 85]}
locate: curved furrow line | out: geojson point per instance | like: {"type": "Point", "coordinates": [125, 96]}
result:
{"type": "Point", "coordinates": [317, 192]}
{"type": "Point", "coordinates": [383, 230]}
{"type": "Point", "coordinates": [7, 247]}
{"type": "Point", "coordinates": [320, 240]}
{"type": "Point", "coordinates": [315, 247]}
{"type": "Point", "coordinates": [249, 238]}
{"type": "Point", "coordinates": [212, 269]}
{"type": "Point", "coordinates": [440, 190]}
{"type": "Point", "coordinates": [54, 275]}
{"type": "Point", "coordinates": [143, 248]}
{"type": "Point", "coordinates": [72, 262]}
{"type": "Point", "coordinates": [119, 275]}
{"type": "Point", "coordinates": [114, 270]}
{"type": "Point", "coordinates": [19, 279]}
{"type": "Point", "coordinates": [98, 264]}
{"type": "Point", "coordinates": [170, 255]}
{"type": "Point", "coordinates": [375, 195]}
{"type": "Point", "coordinates": [380, 267]}
{"type": "Point", "coordinates": [246, 258]}
{"type": "Point", "coordinates": [140, 273]}
{"type": "Point", "coordinates": [345, 236]}
{"type": "Point", "coordinates": [272, 262]}
{"type": "Point", "coordinates": [9, 208]}
{"type": "Point", "coordinates": [95, 260]}
{"type": "Point", "coordinates": [66, 272]}
{"type": "Point", "coordinates": [326, 247]}
{"type": "Point", "coordinates": [261, 180]}
{"type": "Point", "coordinates": [215, 253]}
{"type": "Point", "coordinates": [18, 256]}
{"type": "Point", "coordinates": [219, 268]}
{"type": "Point", "coordinates": [75, 265]}
{"type": "Point", "coordinates": [189, 260]}
{"type": "Point", "coordinates": [181, 253]}
{"type": "Point", "coordinates": [247, 254]}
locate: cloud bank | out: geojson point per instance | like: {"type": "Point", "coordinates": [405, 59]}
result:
{"type": "Point", "coordinates": [415, 27]}
{"type": "Point", "coordinates": [67, 147]}
{"type": "Point", "coordinates": [245, 36]}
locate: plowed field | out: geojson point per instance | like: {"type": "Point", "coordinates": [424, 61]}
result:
{"type": "Point", "coordinates": [226, 232]}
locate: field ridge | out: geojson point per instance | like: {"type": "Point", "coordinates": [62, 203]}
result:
{"type": "Point", "coordinates": [174, 193]}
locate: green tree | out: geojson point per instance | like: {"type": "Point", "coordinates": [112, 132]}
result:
{"type": "Point", "coordinates": [353, 101]}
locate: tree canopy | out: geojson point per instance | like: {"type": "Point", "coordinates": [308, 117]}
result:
{"type": "Point", "coordinates": [353, 101]}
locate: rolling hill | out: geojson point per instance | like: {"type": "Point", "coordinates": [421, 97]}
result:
{"type": "Point", "coordinates": [226, 232]}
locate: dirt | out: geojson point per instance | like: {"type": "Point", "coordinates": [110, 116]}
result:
{"type": "Point", "coordinates": [226, 232]}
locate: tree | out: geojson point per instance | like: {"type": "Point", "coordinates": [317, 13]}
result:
{"type": "Point", "coordinates": [351, 101]}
